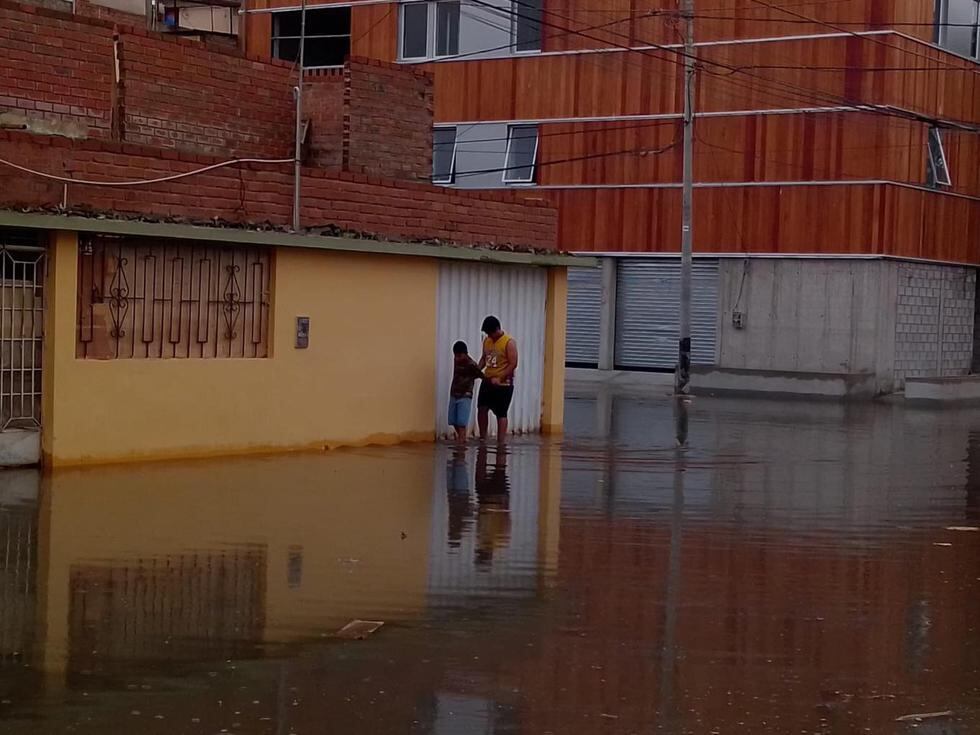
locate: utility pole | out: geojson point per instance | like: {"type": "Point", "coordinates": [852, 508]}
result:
{"type": "Point", "coordinates": [682, 377]}
{"type": "Point", "coordinates": [298, 153]}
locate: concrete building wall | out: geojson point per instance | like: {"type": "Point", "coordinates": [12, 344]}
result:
{"type": "Point", "coordinates": [934, 325]}
{"type": "Point", "coordinates": [808, 315]}
{"type": "Point", "coordinates": [893, 319]}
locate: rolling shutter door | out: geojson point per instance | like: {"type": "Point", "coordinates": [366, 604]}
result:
{"type": "Point", "coordinates": [647, 313]}
{"type": "Point", "coordinates": [584, 306]}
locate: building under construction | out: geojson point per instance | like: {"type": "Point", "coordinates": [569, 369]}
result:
{"type": "Point", "coordinates": [158, 299]}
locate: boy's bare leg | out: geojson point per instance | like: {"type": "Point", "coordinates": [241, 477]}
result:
{"type": "Point", "coordinates": [502, 425]}
{"type": "Point", "coordinates": [461, 434]}
{"type": "Point", "coordinates": [482, 420]}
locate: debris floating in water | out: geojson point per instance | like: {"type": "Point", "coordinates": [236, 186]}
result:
{"type": "Point", "coordinates": [962, 528]}
{"type": "Point", "coordinates": [924, 716]}
{"type": "Point", "coordinates": [359, 629]}
{"type": "Point", "coordinates": [942, 543]}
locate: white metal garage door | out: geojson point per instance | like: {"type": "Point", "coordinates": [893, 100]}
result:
{"type": "Point", "coordinates": [584, 313]}
{"type": "Point", "coordinates": [517, 296]}
{"type": "Point", "coordinates": [647, 305]}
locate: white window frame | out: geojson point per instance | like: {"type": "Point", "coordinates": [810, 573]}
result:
{"type": "Point", "coordinates": [934, 180]}
{"type": "Point", "coordinates": [515, 8]}
{"type": "Point", "coordinates": [508, 173]}
{"type": "Point", "coordinates": [431, 29]}
{"type": "Point", "coordinates": [308, 37]}
{"type": "Point", "coordinates": [942, 31]}
{"type": "Point", "coordinates": [451, 179]}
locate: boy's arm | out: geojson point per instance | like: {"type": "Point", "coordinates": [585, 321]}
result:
{"type": "Point", "coordinates": [511, 350]}
{"type": "Point", "coordinates": [476, 372]}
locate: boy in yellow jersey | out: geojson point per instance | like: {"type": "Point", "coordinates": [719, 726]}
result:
{"type": "Point", "coordinates": [499, 363]}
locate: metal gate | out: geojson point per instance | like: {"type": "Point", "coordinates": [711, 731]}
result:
{"type": "Point", "coordinates": [517, 296]}
{"type": "Point", "coordinates": [647, 305]}
{"type": "Point", "coordinates": [584, 315]}
{"type": "Point", "coordinates": [22, 268]}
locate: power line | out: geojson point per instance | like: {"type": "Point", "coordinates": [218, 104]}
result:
{"type": "Point", "coordinates": [801, 93]}
{"type": "Point", "coordinates": [613, 127]}
{"type": "Point", "coordinates": [573, 159]}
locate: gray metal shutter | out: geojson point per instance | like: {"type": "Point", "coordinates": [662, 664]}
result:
{"type": "Point", "coordinates": [647, 304]}
{"type": "Point", "coordinates": [584, 305]}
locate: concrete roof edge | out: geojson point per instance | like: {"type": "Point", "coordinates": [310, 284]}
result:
{"type": "Point", "coordinates": [43, 221]}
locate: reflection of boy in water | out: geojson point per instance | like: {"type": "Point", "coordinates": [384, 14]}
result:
{"type": "Point", "coordinates": [458, 495]}
{"type": "Point", "coordinates": [493, 497]}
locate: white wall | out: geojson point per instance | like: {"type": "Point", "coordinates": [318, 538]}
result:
{"type": "Point", "coordinates": [517, 296]}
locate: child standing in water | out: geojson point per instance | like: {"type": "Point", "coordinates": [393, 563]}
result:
{"type": "Point", "coordinates": [465, 374]}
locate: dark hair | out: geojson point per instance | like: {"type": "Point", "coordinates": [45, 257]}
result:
{"type": "Point", "coordinates": [460, 348]}
{"type": "Point", "coordinates": [490, 325]}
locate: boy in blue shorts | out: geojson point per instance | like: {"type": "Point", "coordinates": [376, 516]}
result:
{"type": "Point", "coordinates": [465, 374]}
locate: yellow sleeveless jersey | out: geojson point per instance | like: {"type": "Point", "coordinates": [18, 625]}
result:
{"type": "Point", "coordinates": [495, 356]}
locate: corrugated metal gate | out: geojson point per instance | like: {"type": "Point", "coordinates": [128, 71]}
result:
{"type": "Point", "coordinates": [517, 296]}
{"type": "Point", "coordinates": [647, 298]}
{"type": "Point", "coordinates": [584, 314]}
{"type": "Point", "coordinates": [22, 269]}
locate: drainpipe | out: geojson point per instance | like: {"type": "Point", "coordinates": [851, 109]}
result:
{"type": "Point", "coordinates": [297, 163]}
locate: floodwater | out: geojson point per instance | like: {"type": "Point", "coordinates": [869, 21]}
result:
{"type": "Point", "coordinates": [796, 568]}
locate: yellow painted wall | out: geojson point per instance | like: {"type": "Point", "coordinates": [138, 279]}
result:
{"type": "Point", "coordinates": [367, 377]}
{"type": "Point", "coordinates": [553, 390]}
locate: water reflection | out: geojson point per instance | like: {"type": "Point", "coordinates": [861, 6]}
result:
{"type": "Point", "coordinates": [788, 568]}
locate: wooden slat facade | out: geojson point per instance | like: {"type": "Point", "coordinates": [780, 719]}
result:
{"type": "Point", "coordinates": [857, 219]}
{"type": "Point", "coordinates": [751, 148]}
{"type": "Point", "coordinates": [822, 72]}
{"type": "Point", "coordinates": [584, 73]}
{"type": "Point", "coordinates": [581, 24]}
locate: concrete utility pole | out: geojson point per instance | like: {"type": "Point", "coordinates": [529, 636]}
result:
{"type": "Point", "coordinates": [682, 377]}
{"type": "Point", "coordinates": [297, 155]}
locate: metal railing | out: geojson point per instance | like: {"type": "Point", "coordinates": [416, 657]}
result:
{"type": "Point", "coordinates": [22, 274]}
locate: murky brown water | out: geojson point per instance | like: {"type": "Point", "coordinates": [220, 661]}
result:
{"type": "Point", "coordinates": [791, 571]}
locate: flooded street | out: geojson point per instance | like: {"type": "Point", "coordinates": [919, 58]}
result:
{"type": "Point", "coordinates": [799, 567]}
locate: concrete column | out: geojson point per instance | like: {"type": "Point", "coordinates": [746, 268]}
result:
{"type": "Point", "coordinates": [607, 321]}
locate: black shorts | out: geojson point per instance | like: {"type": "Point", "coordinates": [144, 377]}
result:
{"type": "Point", "coordinates": [495, 397]}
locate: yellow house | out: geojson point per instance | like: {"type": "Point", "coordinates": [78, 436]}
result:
{"type": "Point", "coordinates": [135, 340]}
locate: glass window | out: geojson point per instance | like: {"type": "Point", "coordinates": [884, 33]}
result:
{"type": "Point", "coordinates": [443, 155]}
{"type": "Point", "coordinates": [527, 25]}
{"type": "Point", "coordinates": [327, 36]}
{"type": "Point", "coordinates": [522, 149]}
{"type": "Point", "coordinates": [938, 171]}
{"type": "Point", "coordinates": [430, 29]}
{"type": "Point", "coordinates": [447, 28]}
{"type": "Point", "coordinates": [415, 30]}
{"type": "Point", "coordinates": [956, 26]}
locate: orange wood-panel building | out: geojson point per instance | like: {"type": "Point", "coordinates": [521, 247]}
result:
{"type": "Point", "coordinates": [846, 130]}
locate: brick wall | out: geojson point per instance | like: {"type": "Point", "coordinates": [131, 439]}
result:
{"type": "Point", "coordinates": [323, 106]}
{"type": "Point", "coordinates": [88, 9]}
{"type": "Point", "coordinates": [56, 74]}
{"type": "Point", "coordinates": [181, 94]}
{"type": "Point", "coordinates": [59, 76]}
{"type": "Point", "coordinates": [257, 194]}
{"type": "Point", "coordinates": [388, 120]}
{"type": "Point", "coordinates": [934, 324]}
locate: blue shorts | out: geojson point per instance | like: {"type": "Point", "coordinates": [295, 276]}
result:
{"type": "Point", "coordinates": [459, 411]}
